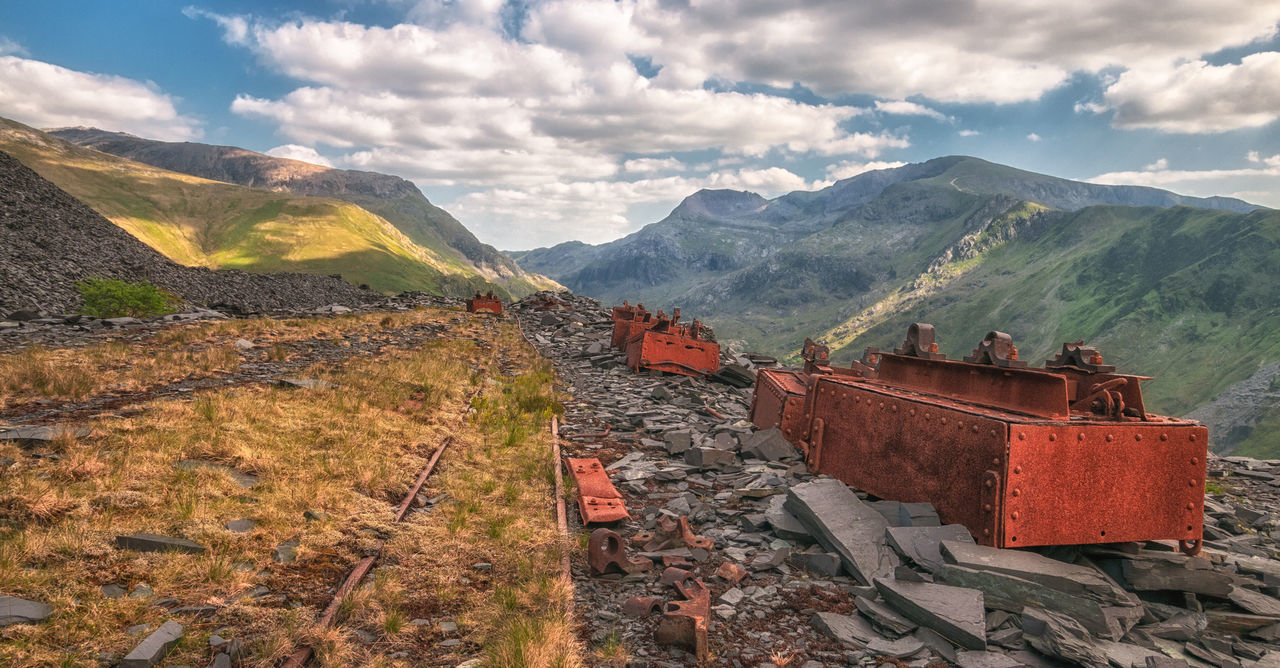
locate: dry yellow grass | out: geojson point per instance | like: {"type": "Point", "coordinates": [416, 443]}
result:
{"type": "Point", "coordinates": [351, 453]}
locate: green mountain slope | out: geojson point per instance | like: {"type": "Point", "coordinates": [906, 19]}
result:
{"type": "Point", "coordinates": [199, 222]}
{"type": "Point", "coordinates": [392, 198]}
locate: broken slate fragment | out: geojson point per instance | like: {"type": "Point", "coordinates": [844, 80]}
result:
{"type": "Point", "coordinates": [785, 525]}
{"type": "Point", "coordinates": [970, 659]}
{"type": "Point", "coordinates": [1258, 604]}
{"type": "Point", "coordinates": [1067, 578]}
{"type": "Point", "coordinates": [154, 647]}
{"type": "Point", "coordinates": [815, 560]}
{"type": "Point", "coordinates": [305, 383]}
{"type": "Point", "coordinates": [707, 457]}
{"type": "Point", "coordinates": [922, 545]}
{"type": "Point", "coordinates": [897, 649]}
{"type": "Point", "coordinates": [843, 524]}
{"type": "Point", "coordinates": [150, 542]}
{"type": "Point", "coordinates": [852, 630]}
{"type": "Point", "coordinates": [956, 613]}
{"type": "Point", "coordinates": [769, 445]}
{"type": "Point", "coordinates": [15, 610]}
{"type": "Point", "coordinates": [287, 551]}
{"type": "Point", "coordinates": [1157, 576]}
{"type": "Point", "coordinates": [1057, 635]}
{"type": "Point", "coordinates": [243, 525]}
{"type": "Point", "coordinates": [883, 618]}
{"type": "Point", "coordinates": [29, 436]}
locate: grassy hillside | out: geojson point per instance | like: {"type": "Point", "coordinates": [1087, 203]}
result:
{"type": "Point", "coordinates": [208, 223]}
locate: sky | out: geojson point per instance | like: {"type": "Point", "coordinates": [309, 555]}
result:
{"type": "Point", "coordinates": [538, 122]}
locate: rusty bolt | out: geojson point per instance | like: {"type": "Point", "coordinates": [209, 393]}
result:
{"type": "Point", "coordinates": [1022, 436]}
{"type": "Point", "coordinates": [986, 532]}
{"type": "Point", "coordinates": [933, 347]}
{"type": "Point", "coordinates": [1192, 437]}
{"type": "Point", "coordinates": [944, 420]}
{"type": "Point", "coordinates": [894, 408]}
{"type": "Point", "coordinates": [911, 412]}
{"type": "Point", "coordinates": [1109, 438]}
{"type": "Point", "coordinates": [1191, 483]}
{"type": "Point", "coordinates": [988, 484]}
{"type": "Point", "coordinates": [1053, 437]}
{"type": "Point", "coordinates": [1096, 359]}
{"type": "Point", "coordinates": [1017, 469]}
{"type": "Point", "coordinates": [1164, 437]}
{"type": "Point", "coordinates": [975, 428]}
{"type": "Point", "coordinates": [1137, 437]}
{"type": "Point", "coordinates": [986, 507]}
{"type": "Point", "coordinates": [1014, 515]}
{"type": "Point", "coordinates": [1191, 506]}
{"type": "Point", "coordinates": [1194, 461]}
{"type": "Point", "coordinates": [1080, 436]}
{"type": "Point", "coordinates": [1017, 492]}
{"type": "Point", "coordinates": [995, 461]}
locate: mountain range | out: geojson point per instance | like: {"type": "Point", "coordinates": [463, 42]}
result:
{"type": "Point", "coordinates": [226, 207]}
{"type": "Point", "coordinates": [1180, 288]}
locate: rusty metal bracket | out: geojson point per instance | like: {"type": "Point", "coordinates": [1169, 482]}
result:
{"type": "Point", "coordinates": [605, 553]}
{"type": "Point", "coordinates": [598, 500]}
{"type": "Point", "coordinates": [996, 349]}
{"type": "Point", "coordinates": [686, 623]}
{"type": "Point", "coordinates": [692, 541]}
{"type": "Point", "coordinates": [992, 494]}
{"type": "Point", "coordinates": [596, 510]}
{"type": "Point", "coordinates": [920, 343]}
{"type": "Point", "coordinates": [1079, 356]}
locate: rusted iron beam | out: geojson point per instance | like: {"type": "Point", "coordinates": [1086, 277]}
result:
{"type": "Point", "coordinates": [599, 502]}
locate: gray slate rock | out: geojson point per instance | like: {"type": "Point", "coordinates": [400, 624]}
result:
{"type": "Point", "coordinates": [29, 436]}
{"type": "Point", "coordinates": [1066, 578]}
{"type": "Point", "coordinates": [707, 457]}
{"type": "Point", "coordinates": [898, 649]}
{"type": "Point", "coordinates": [154, 647]}
{"type": "Point", "coordinates": [852, 630]}
{"type": "Point", "coordinates": [306, 383]}
{"type": "Point", "coordinates": [1257, 603]}
{"type": "Point", "coordinates": [815, 560]}
{"type": "Point", "coordinates": [883, 618]}
{"type": "Point", "coordinates": [1145, 575]}
{"type": "Point", "coordinates": [14, 610]}
{"type": "Point", "coordinates": [1013, 594]}
{"type": "Point", "coordinates": [150, 542]}
{"type": "Point", "coordinates": [956, 613]}
{"type": "Point", "coordinates": [785, 525]}
{"type": "Point", "coordinates": [243, 525]}
{"type": "Point", "coordinates": [923, 545]}
{"type": "Point", "coordinates": [287, 551]}
{"type": "Point", "coordinates": [769, 445]}
{"type": "Point", "coordinates": [971, 659]}
{"type": "Point", "coordinates": [1057, 635]}
{"type": "Point", "coordinates": [843, 524]}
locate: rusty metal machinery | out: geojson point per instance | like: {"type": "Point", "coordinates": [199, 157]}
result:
{"type": "Point", "coordinates": [485, 303]}
{"type": "Point", "coordinates": [629, 321]}
{"type": "Point", "coordinates": [1022, 457]}
{"type": "Point", "coordinates": [673, 348]}
{"type": "Point", "coordinates": [779, 397]}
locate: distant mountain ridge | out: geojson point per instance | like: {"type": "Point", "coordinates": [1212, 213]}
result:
{"type": "Point", "coordinates": [1154, 278]}
{"type": "Point", "coordinates": [397, 200]}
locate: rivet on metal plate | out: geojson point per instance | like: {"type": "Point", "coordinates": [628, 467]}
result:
{"type": "Point", "coordinates": [1022, 436]}
{"type": "Point", "coordinates": [995, 462]}
{"type": "Point", "coordinates": [1191, 483]}
{"type": "Point", "coordinates": [986, 532]}
{"type": "Point", "coordinates": [1164, 437]}
{"type": "Point", "coordinates": [986, 507]}
{"type": "Point", "coordinates": [944, 420]}
{"type": "Point", "coordinates": [912, 411]}
{"type": "Point", "coordinates": [975, 428]}
{"type": "Point", "coordinates": [1080, 436]}
{"type": "Point", "coordinates": [1017, 469]}
{"type": "Point", "coordinates": [1194, 461]}
{"type": "Point", "coordinates": [1053, 437]}
{"type": "Point", "coordinates": [1192, 437]}
{"type": "Point", "coordinates": [1137, 437]}
{"type": "Point", "coordinates": [1014, 515]}
{"type": "Point", "coordinates": [1017, 492]}
{"type": "Point", "coordinates": [987, 483]}
{"type": "Point", "coordinates": [1109, 438]}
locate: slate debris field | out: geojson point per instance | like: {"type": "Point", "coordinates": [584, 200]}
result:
{"type": "Point", "coordinates": [807, 572]}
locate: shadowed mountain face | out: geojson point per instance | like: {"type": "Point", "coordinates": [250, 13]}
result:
{"type": "Point", "coordinates": [1163, 283]}
{"type": "Point", "coordinates": [396, 200]}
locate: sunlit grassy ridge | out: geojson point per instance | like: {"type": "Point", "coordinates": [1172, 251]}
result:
{"type": "Point", "coordinates": [349, 453]}
{"type": "Point", "coordinates": [195, 221]}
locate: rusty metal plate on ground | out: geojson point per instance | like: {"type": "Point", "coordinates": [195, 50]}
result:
{"type": "Point", "coordinates": [597, 510]}
{"type": "Point", "coordinates": [673, 353]}
{"type": "Point", "coordinates": [598, 500]}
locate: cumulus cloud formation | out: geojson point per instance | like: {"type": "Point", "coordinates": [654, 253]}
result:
{"type": "Point", "coordinates": [45, 95]}
{"type": "Point", "coordinates": [1196, 97]}
{"type": "Point", "coordinates": [303, 153]}
{"type": "Point", "coordinates": [847, 168]}
{"type": "Point", "coordinates": [1033, 137]}
{"type": "Point", "coordinates": [544, 97]}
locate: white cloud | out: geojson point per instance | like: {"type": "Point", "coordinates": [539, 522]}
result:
{"type": "Point", "coordinates": [45, 95]}
{"type": "Point", "coordinates": [905, 108]}
{"type": "Point", "coordinates": [303, 153]}
{"type": "Point", "coordinates": [1034, 137]}
{"type": "Point", "coordinates": [9, 47]}
{"type": "Point", "coordinates": [1196, 97]}
{"type": "Point", "coordinates": [653, 165]}
{"type": "Point", "coordinates": [595, 211]}
{"type": "Point", "coordinates": [847, 169]}
{"type": "Point", "coordinates": [1256, 184]}
{"type": "Point", "coordinates": [968, 133]}
{"type": "Point", "coordinates": [1089, 107]}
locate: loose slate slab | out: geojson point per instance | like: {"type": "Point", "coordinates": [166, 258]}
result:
{"type": "Point", "coordinates": [956, 613]}
{"type": "Point", "coordinates": [1057, 635]}
{"type": "Point", "coordinates": [848, 629]}
{"type": "Point", "coordinates": [883, 618]}
{"type": "Point", "coordinates": [14, 610]}
{"type": "Point", "coordinates": [922, 545]}
{"type": "Point", "coordinates": [152, 649]}
{"type": "Point", "coordinates": [970, 659]}
{"type": "Point", "coordinates": [1257, 603]}
{"type": "Point", "coordinates": [306, 383]}
{"type": "Point", "coordinates": [843, 524]}
{"type": "Point", "coordinates": [1067, 578]}
{"type": "Point", "coordinates": [1145, 575]}
{"type": "Point", "coordinates": [30, 436]}
{"type": "Point", "coordinates": [1013, 594]}
{"type": "Point", "coordinates": [769, 445]}
{"type": "Point", "coordinates": [150, 542]}
{"type": "Point", "coordinates": [785, 525]}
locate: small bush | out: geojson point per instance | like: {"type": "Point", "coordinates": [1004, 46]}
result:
{"type": "Point", "coordinates": [114, 298]}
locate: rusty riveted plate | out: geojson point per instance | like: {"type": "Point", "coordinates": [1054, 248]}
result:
{"type": "Point", "coordinates": [661, 351]}
{"type": "Point", "coordinates": [598, 500]}
{"type": "Point", "coordinates": [1104, 482]}
{"type": "Point", "coordinates": [778, 401]}
{"type": "Point", "coordinates": [596, 510]}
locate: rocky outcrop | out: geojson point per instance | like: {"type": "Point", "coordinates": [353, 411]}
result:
{"type": "Point", "coordinates": [49, 240]}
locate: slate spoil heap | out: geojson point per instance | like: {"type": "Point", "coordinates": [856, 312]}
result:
{"type": "Point", "coordinates": [804, 571]}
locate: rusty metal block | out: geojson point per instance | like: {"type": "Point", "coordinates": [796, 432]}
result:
{"type": "Point", "coordinates": [778, 401]}
{"type": "Point", "coordinates": [1020, 457]}
{"type": "Point", "coordinates": [662, 351]}
{"type": "Point", "coordinates": [605, 553]}
{"type": "Point", "coordinates": [641, 606]}
{"type": "Point", "coordinates": [674, 576]}
{"type": "Point", "coordinates": [596, 510]}
{"type": "Point", "coordinates": [686, 623]}
{"type": "Point", "coordinates": [731, 572]}
{"type": "Point", "coordinates": [486, 303]}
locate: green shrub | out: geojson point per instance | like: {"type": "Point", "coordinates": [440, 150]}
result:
{"type": "Point", "coordinates": [114, 298]}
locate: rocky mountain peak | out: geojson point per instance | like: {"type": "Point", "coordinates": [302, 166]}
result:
{"type": "Point", "coordinates": [719, 203]}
